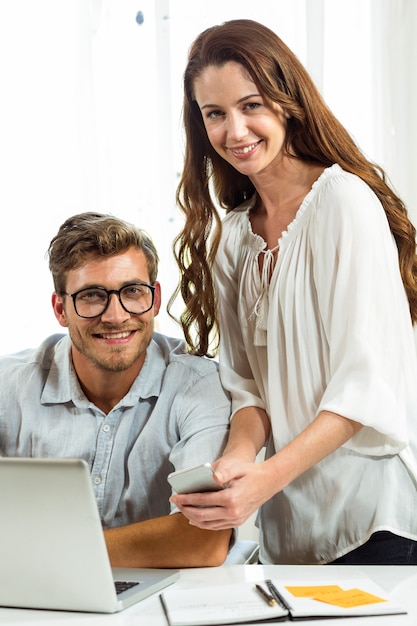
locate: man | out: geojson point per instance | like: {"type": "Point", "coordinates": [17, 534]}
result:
{"type": "Point", "coordinates": [130, 401]}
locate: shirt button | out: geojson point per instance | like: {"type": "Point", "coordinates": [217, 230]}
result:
{"type": "Point", "coordinates": [106, 428]}
{"type": "Point", "coordinates": [97, 480]}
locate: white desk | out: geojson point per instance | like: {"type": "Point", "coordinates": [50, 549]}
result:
{"type": "Point", "coordinates": [399, 581]}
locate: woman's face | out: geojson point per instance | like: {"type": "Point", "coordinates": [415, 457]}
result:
{"type": "Point", "coordinates": [241, 127]}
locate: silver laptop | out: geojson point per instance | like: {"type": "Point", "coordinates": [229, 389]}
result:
{"type": "Point", "coordinates": [52, 549]}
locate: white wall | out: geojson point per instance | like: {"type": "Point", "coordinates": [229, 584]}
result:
{"type": "Point", "coordinates": [90, 116]}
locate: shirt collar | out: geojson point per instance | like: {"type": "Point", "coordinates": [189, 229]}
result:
{"type": "Point", "coordinates": [148, 383]}
{"type": "Point", "coordinates": [62, 384]}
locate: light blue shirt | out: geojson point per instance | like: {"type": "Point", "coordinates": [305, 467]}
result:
{"type": "Point", "coordinates": [175, 415]}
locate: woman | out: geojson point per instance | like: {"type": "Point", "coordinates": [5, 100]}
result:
{"type": "Point", "coordinates": [314, 268]}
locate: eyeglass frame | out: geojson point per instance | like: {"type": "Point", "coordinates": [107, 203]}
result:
{"type": "Point", "coordinates": [109, 292]}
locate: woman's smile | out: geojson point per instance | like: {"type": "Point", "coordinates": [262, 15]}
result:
{"type": "Point", "coordinates": [244, 151]}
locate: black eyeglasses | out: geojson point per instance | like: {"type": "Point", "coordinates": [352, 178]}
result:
{"type": "Point", "coordinates": [136, 298]}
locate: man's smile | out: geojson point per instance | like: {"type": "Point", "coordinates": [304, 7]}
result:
{"type": "Point", "coordinates": [116, 335]}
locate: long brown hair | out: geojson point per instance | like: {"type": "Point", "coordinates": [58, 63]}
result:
{"type": "Point", "coordinates": [313, 134]}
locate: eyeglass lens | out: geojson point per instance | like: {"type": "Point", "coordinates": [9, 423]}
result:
{"type": "Point", "coordinates": [93, 302]}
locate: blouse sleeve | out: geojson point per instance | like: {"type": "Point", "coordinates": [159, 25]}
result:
{"type": "Point", "coordinates": [235, 370]}
{"type": "Point", "coordinates": [366, 318]}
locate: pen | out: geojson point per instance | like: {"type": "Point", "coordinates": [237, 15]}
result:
{"type": "Point", "coordinates": [276, 595]}
{"type": "Point", "coordinates": [269, 599]}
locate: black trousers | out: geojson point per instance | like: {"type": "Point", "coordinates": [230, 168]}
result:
{"type": "Point", "coordinates": [382, 548]}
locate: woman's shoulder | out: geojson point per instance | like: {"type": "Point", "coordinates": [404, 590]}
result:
{"type": "Point", "coordinates": [240, 213]}
{"type": "Point", "coordinates": [236, 223]}
{"type": "Point", "coordinates": [336, 183]}
{"type": "Point", "coordinates": [346, 204]}
{"type": "Point", "coordinates": [237, 239]}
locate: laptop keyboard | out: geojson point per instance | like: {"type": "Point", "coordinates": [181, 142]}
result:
{"type": "Point", "coordinates": [123, 586]}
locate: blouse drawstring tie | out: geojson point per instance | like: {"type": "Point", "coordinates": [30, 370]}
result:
{"type": "Point", "coordinates": [261, 308]}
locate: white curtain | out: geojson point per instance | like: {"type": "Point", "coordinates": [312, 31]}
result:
{"type": "Point", "coordinates": [91, 105]}
{"type": "Point", "coordinates": [395, 94]}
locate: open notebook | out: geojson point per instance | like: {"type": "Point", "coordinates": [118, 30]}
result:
{"type": "Point", "coordinates": [52, 549]}
{"type": "Point", "coordinates": [239, 603]}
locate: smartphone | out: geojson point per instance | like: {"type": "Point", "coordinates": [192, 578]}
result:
{"type": "Point", "coordinates": [194, 479]}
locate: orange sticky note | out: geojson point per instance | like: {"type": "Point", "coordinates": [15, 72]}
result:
{"type": "Point", "coordinates": [348, 599]}
{"type": "Point", "coordinates": [310, 591]}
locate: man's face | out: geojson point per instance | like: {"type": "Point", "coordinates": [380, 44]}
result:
{"type": "Point", "coordinates": [116, 340]}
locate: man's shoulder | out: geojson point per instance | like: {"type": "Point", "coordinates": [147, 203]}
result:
{"type": "Point", "coordinates": [174, 351]}
{"type": "Point", "coordinates": [41, 356]}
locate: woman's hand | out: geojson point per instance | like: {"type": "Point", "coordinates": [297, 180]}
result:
{"type": "Point", "coordinates": [248, 486]}
{"type": "Point", "coordinates": [250, 483]}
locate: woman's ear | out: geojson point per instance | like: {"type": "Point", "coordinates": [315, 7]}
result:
{"type": "Point", "coordinates": [58, 307]}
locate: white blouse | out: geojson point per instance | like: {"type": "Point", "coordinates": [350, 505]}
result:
{"type": "Point", "coordinates": [326, 328]}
